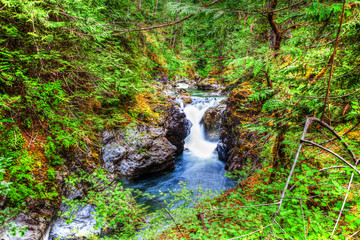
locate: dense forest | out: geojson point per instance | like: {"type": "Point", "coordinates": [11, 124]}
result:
{"type": "Point", "coordinates": [91, 94]}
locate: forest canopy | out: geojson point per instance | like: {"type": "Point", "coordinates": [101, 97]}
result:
{"type": "Point", "coordinates": [72, 69]}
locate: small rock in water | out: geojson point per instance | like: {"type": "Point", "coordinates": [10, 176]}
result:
{"type": "Point", "coordinates": [211, 121]}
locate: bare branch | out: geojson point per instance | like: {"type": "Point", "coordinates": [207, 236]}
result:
{"type": "Point", "coordinates": [343, 134]}
{"type": "Point", "coordinates": [167, 211]}
{"type": "Point", "coordinates": [332, 168]}
{"type": "Point", "coordinates": [353, 234]}
{"type": "Point", "coordinates": [336, 135]}
{"type": "Point", "coordinates": [250, 206]}
{"type": "Point", "coordinates": [164, 25]}
{"type": "Point", "coordinates": [346, 95]}
{"type": "Point", "coordinates": [117, 31]}
{"type": "Point", "coordinates": [335, 154]}
{"type": "Point", "coordinates": [290, 175]}
{"type": "Point", "coordinates": [303, 140]}
{"type": "Point", "coordinates": [281, 228]}
{"type": "Point", "coordinates": [302, 213]}
{"type": "Point", "coordinates": [346, 196]}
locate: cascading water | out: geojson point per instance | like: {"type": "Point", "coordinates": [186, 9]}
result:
{"type": "Point", "coordinates": [196, 142]}
{"type": "Point", "coordinates": [199, 164]}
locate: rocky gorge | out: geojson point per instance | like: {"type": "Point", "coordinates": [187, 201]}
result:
{"type": "Point", "coordinates": [137, 151]}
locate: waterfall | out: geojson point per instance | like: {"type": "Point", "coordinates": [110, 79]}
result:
{"type": "Point", "coordinates": [196, 142]}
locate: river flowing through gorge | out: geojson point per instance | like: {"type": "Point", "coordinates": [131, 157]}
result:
{"type": "Point", "coordinates": [197, 165]}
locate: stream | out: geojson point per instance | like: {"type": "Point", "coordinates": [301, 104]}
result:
{"type": "Point", "coordinates": [198, 165]}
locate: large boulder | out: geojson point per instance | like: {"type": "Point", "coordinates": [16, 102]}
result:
{"type": "Point", "coordinates": [138, 151]}
{"type": "Point", "coordinates": [238, 146]}
{"type": "Point", "coordinates": [113, 153]}
{"type": "Point", "coordinates": [83, 224]}
{"type": "Point", "coordinates": [211, 121]}
{"type": "Point", "coordinates": [146, 148]}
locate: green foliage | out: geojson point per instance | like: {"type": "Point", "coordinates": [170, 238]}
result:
{"type": "Point", "coordinates": [310, 209]}
{"type": "Point", "coordinates": [6, 217]}
{"type": "Point", "coordinates": [7, 190]}
{"type": "Point", "coordinates": [4, 185]}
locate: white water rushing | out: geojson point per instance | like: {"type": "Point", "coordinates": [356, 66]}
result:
{"type": "Point", "coordinates": [196, 142]}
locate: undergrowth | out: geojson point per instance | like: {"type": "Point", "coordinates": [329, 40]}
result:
{"type": "Point", "coordinates": [63, 80]}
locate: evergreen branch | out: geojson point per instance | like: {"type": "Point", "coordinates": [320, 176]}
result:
{"type": "Point", "coordinates": [342, 96]}
{"type": "Point", "coordinates": [163, 25]}
{"type": "Point", "coordinates": [153, 27]}
{"type": "Point", "coordinates": [266, 12]}
{"type": "Point", "coordinates": [116, 31]}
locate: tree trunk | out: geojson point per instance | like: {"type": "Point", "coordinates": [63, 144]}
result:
{"type": "Point", "coordinates": [276, 35]}
{"type": "Point", "coordinates": [175, 31]}
{"type": "Point", "coordinates": [278, 153]}
{"type": "Point", "coordinates": [156, 5]}
{"type": "Point", "coordinates": [268, 79]}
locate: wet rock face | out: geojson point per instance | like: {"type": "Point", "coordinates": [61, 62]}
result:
{"type": "Point", "coordinates": [184, 96]}
{"type": "Point", "coordinates": [82, 225]}
{"type": "Point", "coordinates": [238, 146]}
{"type": "Point", "coordinates": [113, 153]}
{"type": "Point", "coordinates": [37, 218]}
{"type": "Point", "coordinates": [139, 151]}
{"type": "Point", "coordinates": [211, 121]}
{"type": "Point", "coordinates": [177, 128]}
